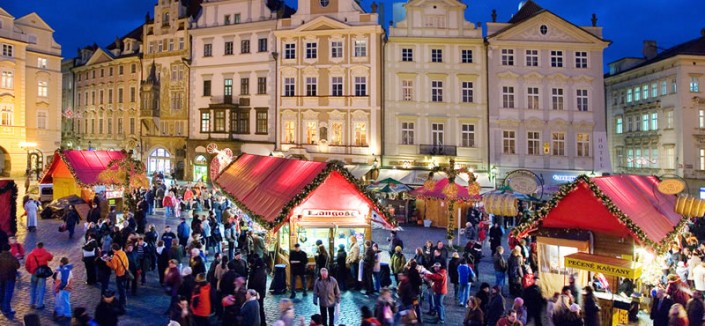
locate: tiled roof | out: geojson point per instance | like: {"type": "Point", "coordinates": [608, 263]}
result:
{"type": "Point", "coordinates": [528, 10]}
{"type": "Point", "coordinates": [692, 47]}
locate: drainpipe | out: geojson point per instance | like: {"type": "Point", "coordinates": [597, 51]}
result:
{"type": "Point", "coordinates": [487, 97]}
{"type": "Point", "coordinates": [382, 101]}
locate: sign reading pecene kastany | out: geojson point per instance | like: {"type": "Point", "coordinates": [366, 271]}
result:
{"type": "Point", "coordinates": [331, 213]}
{"type": "Point", "coordinates": [607, 269]}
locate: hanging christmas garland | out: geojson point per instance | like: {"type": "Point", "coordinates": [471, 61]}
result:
{"type": "Point", "coordinates": [535, 221]}
{"type": "Point", "coordinates": [304, 194]}
{"type": "Point", "coordinates": [11, 186]}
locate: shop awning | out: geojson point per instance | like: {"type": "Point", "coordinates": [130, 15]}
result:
{"type": "Point", "coordinates": [358, 170]}
{"type": "Point", "coordinates": [603, 264]}
{"type": "Point", "coordinates": [84, 166]}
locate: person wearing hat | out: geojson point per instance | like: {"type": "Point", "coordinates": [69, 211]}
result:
{"type": "Point", "coordinates": [341, 269]}
{"type": "Point", "coordinates": [201, 300]}
{"type": "Point", "coordinates": [439, 277]}
{"type": "Point", "coordinates": [107, 310]}
{"type": "Point", "coordinates": [398, 261]}
{"type": "Point", "coordinates": [240, 264]}
{"type": "Point", "coordinates": [188, 282]}
{"type": "Point", "coordinates": [298, 260]}
{"type": "Point", "coordinates": [534, 302]}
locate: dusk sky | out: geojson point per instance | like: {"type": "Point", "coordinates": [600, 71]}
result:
{"type": "Point", "coordinates": [626, 22]}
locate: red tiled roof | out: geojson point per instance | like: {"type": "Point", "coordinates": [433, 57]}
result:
{"type": "Point", "coordinates": [83, 165]}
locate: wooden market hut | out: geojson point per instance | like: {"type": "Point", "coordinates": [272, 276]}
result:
{"type": "Point", "coordinates": [432, 204]}
{"type": "Point", "coordinates": [301, 201]}
{"type": "Point", "coordinates": [607, 225]}
{"type": "Point", "coordinates": [75, 172]}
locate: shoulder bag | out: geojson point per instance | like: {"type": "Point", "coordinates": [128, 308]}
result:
{"type": "Point", "coordinates": [42, 271]}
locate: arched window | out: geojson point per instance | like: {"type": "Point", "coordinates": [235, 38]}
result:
{"type": "Point", "coordinates": [159, 161]}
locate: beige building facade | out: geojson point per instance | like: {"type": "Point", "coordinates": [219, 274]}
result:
{"type": "Point", "coordinates": [435, 94]}
{"type": "Point", "coordinates": [329, 82]}
{"type": "Point", "coordinates": [656, 112]}
{"type": "Point", "coordinates": [30, 94]}
{"type": "Point", "coordinates": [546, 99]}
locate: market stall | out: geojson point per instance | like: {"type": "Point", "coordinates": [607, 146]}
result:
{"type": "Point", "coordinates": [606, 231]}
{"type": "Point", "coordinates": [301, 202]}
{"type": "Point", "coordinates": [8, 206]}
{"type": "Point", "coordinates": [432, 204]}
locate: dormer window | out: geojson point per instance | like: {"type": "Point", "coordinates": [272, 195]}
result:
{"type": "Point", "coordinates": [165, 19]}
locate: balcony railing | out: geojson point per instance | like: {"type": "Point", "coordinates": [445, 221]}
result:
{"type": "Point", "coordinates": [449, 150]}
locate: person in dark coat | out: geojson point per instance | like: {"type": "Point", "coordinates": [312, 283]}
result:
{"type": "Point", "coordinates": [249, 312]}
{"type": "Point", "coordinates": [93, 213]}
{"type": "Point", "coordinates": [342, 270]}
{"type": "Point", "coordinates": [71, 219]}
{"type": "Point", "coordinates": [188, 282]}
{"type": "Point", "coordinates": [258, 282]}
{"type": "Point", "coordinates": [108, 310]}
{"type": "Point", "coordinates": [591, 308]}
{"type": "Point", "coordinates": [298, 260]}
{"type": "Point", "coordinates": [695, 309]}
{"type": "Point", "coordinates": [394, 242]}
{"type": "Point", "coordinates": [534, 302]}
{"type": "Point", "coordinates": [453, 273]}
{"type": "Point", "coordinates": [162, 260]}
{"type": "Point", "coordinates": [495, 307]}
{"type": "Point", "coordinates": [660, 307]}
{"type": "Point", "coordinates": [496, 234]}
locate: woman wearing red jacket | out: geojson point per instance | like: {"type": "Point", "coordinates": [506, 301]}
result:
{"type": "Point", "coordinates": [439, 277]}
{"type": "Point", "coordinates": [201, 301]}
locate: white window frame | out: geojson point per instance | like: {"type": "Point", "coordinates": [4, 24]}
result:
{"type": "Point", "coordinates": [509, 142]}
{"type": "Point", "coordinates": [336, 49]}
{"type": "Point", "coordinates": [557, 99]}
{"type": "Point", "coordinates": [407, 133]}
{"type": "Point", "coordinates": [311, 86]}
{"type": "Point", "coordinates": [437, 134]}
{"type": "Point", "coordinates": [311, 50]}
{"type": "Point", "coordinates": [557, 58]}
{"type": "Point", "coordinates": [467, 92]}
{"type": "Point", "coordinates": [467, 135]}
{"type": "Point", "coordinates": [289, 51]}
{"type": "Point", "coordinates": [407, 54]}
{"type": "Point", "coordinates": [436, 91]}
{"type": "Point", "coordinates": [43, 88]}
{"type": "Point", "coordinates": [360, 49]}
{"type": "Point", "coordinates": [533, 143]}
{"type": "Point", "coordinates": [508, 97]}
{"type": "Point", "coordinates": [533, 101]}
{"type": "Point", "coordinates": [465, 56]}
{"type": "Point", "coordinates": [507, 57]}
{"type": "Point", "coordinates": [407, 90]}
{"type": "Point", "coordinates": [531, 58]}
{"type": "Point", "coordinates": [581, 59]}
{"type": "Point", "coordinates": [619, 125]}
{"type": "Point", "coordinates": [558, 143]}
{"type": "Point", "coordinates": [582, 100]}
{"type": "Point", "coordinates": [289, 86]}
{"type": "Point", "coordinates": [360, 86]}
{"type": "Point", "coordinates": [582, 141]}
{"type": "Point", "coordinates": [336, 86]}
{"type": "Point", "coordinates": [437, 55]}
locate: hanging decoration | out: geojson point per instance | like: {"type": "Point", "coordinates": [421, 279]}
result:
{"type": "Point", "coordinates": [127, 173]}
{"type": "Point", "coordinates": [222, 159]}
{"type": "Point", "coordinates": [535, 220]}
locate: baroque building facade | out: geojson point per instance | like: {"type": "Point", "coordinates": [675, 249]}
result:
{"type": "Point", "coordinates": [546, 100]}
{"type": "Point", "coordinates": [329, 82]}
{"type": "Point", "coordinates": [435, 94]}
{"type": "Point", "coordinates": [30, 94]}
{"type": "Point", "coordinates": [164, 113]}
{"type": "Point", "coordinates": [656, 112]}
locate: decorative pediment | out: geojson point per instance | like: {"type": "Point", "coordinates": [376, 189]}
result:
{"type": "Point", "coordinates": [558, 77]}
{"type": "Point", "coordinates": [533, 76]}
{"type": "Point", "coordinates": [288, 71]}
{"type": "Point", "coordinates": [99, 56]}
{"type": "Point", "coordinates": [556, 30]}
{"type": "Point", "coordinates": [583, 78]}
{"type": "Point", "coordinates": [322, 23]}
{"type": "Point", "coordinates": [288, 115]}
{"type": "Point", "coordinates": [507, 75]}
{"type": "Point", "coordinates": [310, 71]}
{"type": "Point", "coordinates": [34, 20]}
{"type": "Point", "coordinates": [513, 123]}
{"type": "Point", "coordinates": [310, 115]}
{"type": "Point", "coordinates": [534, 123]}
{"type": "Point", "coordinates": [584, 125]}
{"type": "Point", "coordinates": [559, 124]}
{"type": "Point", "coordinates": [359, 115]}
{"type": "Point", "coordinates": [336, 115]}
{"type": "Point", "coordinates": [360, 70]}
{"type": "Point", "coordinates": [336, 70]}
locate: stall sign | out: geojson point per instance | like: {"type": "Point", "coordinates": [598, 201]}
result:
{"type": "Point", "coordinates": [113, 194]}
{"type": "Point", "coordinates": [607, 269]}
{"type": "Point", "coordinates": [332, 213]}
{"type": "Point", "coordinates": [523, 182]}
{"type": "Point", "coordinates": [564, 177]}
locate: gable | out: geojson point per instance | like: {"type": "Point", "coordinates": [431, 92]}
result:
{"type": "Point", "coordinates": [558, 31]}
{"type": "Point", "coordinates": [99, 56]}
{"type": "Point", "coordinates": [322, 23]}
{"type": "Point", "coordinates": [424, 3]}
{"type": "Point", "coordinates": [34, 20]}
{"type": "Point", "coordinates": [5, 13]}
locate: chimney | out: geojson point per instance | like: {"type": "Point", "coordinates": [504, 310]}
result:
{"type": "Point", "coordinates": [494, 15]}
{"type": "Point", "coordinates": [594, 19]}
{"type": "Point", "coordinates": [373, 7]}
{"type": "Point", "coordinates": [702, 32]}
{"type": "Point", "coordinates": [650, 50]}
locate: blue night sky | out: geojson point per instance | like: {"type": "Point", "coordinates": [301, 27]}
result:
{"type": "Point", "coordinates": [626, 22]}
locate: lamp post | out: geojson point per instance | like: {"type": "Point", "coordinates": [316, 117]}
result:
{"type": "Point", "coordinates": [27, 146]}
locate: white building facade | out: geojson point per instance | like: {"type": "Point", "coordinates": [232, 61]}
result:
{"type": "Point", "coordinates": [546, 97]}
{"type": "Point", "coordinates": [435, 96]}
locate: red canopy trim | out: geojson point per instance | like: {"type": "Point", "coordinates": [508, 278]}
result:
{"type": "Point", "coordinates": [283, 215]}
{"type": "Point", "coordinates": [634, 227]}
{"type": "Point", "coordinates": [90, 164]}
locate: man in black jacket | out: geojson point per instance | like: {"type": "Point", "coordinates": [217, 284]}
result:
{"type": "Point", "coordinates": [660, 307]}
{"type": "Point", "coordinates": [534, 302]}
{"type": "Point", "coordinates": [298, 260]}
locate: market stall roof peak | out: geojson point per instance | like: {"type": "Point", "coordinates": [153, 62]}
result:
{"type": "Point", "coordinates": [268, 188]}
{"type": "Point", "coordinates": [84, 165]}
{"type": "Point", "coordinates": [618, 204]}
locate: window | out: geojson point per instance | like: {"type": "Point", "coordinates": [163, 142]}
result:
{"type": "Point", "coordinates": [670, 158]}
{"type": "Point", "coordinates": [336, 49]}
{"type": "Point", "coordinates": [467, 135]}
{"type": "Point", "coordinates": [664, 88]}
{"type": "Point", "coordinates": [110, 126]}
{"type": "Point", "coordinates": [92, 125]}
{"type": "Point", "coordinates": [6, 115]}
{"type": "Point", "coordinates": [181, 43]}
{"type": "Point", "coordinates": [245, 46]}
{"type": "Point", "coordinates": [207, 50]}
{"type": "Point", "coordinates": [436, 91]}
{"type": "Point", "coordinates": [262, 122]}
{"type": "Point", "coordinates": [533, 143]}
{"type": "Point", "coordinates": [311, 129]}
{"type": "Point", "coordinates": [630, 158]}
{"type": "Point", "coordinates": [100, 125]}
{"type": "Point", "coordinates": [583, 142]}
{"type": "Point", "coordinates": [637, 94]}
{"type": "Point", "coordinates": [509, 142]}
{"type": "Point", "coordinates": [407, 133]}
{"type": "Point", "coordinates": [93, 98]}
{"type": "Point", "coordinates": [581, 60]}
{"type": "Point", "coordinates": [219, 121]}
{"type": "Point", "coordinates": [92, 74]}
{"type": "Point", "coordinates": [336, 88]}
{"type": "Point", "coordinates": [236, 18]}
{"type": "Point", "coordinates": [290, 51]}
{"type": "Point", "coordinates": [360, 134]}
{"type": "Point", "coordinates": [532, 58]}
{"type": "Point", "coordinates": [701, 159]}
{"type": "Point", "coordinates": [669, 119]}
{"type": "Point", "coordinates": [262, 45]}
{"type": "Point", "coordinates": [557, 59]}
{"type": "Point", "coordinates": [557, 98]}
{"type": "Point", "coordinates": [205, 122]}
{"type": "Point", "coordinates": [466, 92]}
{"type": "Point", "coordinates": [654, 158]}
{"type": "Point", "coordinates": [532, 98]}
{"type": "Point", "coordinates": [7, 50]}
{"type": "Point", "coordinates": [311, 50]}
{"type": "Point", "coordinates": [360, 48]}
{"type": "Point", "coordinates": [100, 97]}
{"type": "Point", "coordinates": [701, 119]}
{"type": "Point", "coordinates": [436, 55]}
{"type": "Point", "coordinates": [206, 88]}
{"type": "Point", "coordinates": [289, 86]}
{"type": "Point", "coordinates": [581, 97]}
{"type": "Point", "coordinates": [242, 125]}
{"type": "Point", "coordinates": [110, 96]}
{"type": "Point", "coordinates": [121, 70]}
{"type": "Point", "coordinates": [261, 85]}
{"type": "Point", "coordinates": [42, 63]}
{"type": "Point", "coordinates": [629, 95]}
{"type": "Point", "coordinates": [160, 46]}
{"type": "Point", "coordinates": [226, 20]}
{"type": "Point", "coordinates": [619, 125]}
{"type": "Point", "coordinates": [407, 90]}
{"type": "Point", "coordinates": [176, 100]}
{"type": "Point", "coordinates": [244, 86]}
{"type": "Point", "coordinates": [228, 48]}
{"type": "Point", "coordinates": [41, 119]}
{"type": "Point", "coordinates": [407, 55]}
{"type": "Point", "coordinates": [629, 124]}
{"type": "Point", "coordinates": [507, 57]}
{"type": "Point", "coordinates": [110, 73]}
{"type": "Point", "coordinates": [674, 86]}
{"type": "Point", "coordinates": [337, 128]}
{"type": "Point", "coordinates": [171, 44]}
{"type": "Point", "coordinates": [437, 134]}
{"type": "Point", "coordinates": [289, 132]}
{"type": "Point", "coordinates": [311, 86]}
{"type": "Point", "coordinates": [466, 56]}
{"type": "Point", "coordinates": [694, 84]}
{"type": "Point", "coordinates": [508, 97]}
{"type": "Point", "coordinates": [654, 121]}
{"type": "Point", "coordinates": [645, 122]}
{"type": "Point", "coordinates": [558, 140]}
{"type": "Point", "coordinates": [120, 97]}
{"type": "Point", "coordinates": [43, 89]}
{"type": "Point", "coordinates": [654, 90]}
{"type": "Point", "coordinates": [645, 91]}
{"type": "Point", "coordinates": [7, 80]}
{"type": "Point", "coordinates": [228, 87]}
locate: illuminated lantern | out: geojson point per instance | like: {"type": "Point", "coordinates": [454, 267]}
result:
{"type": "Point", "coordinates": [451, 191]}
